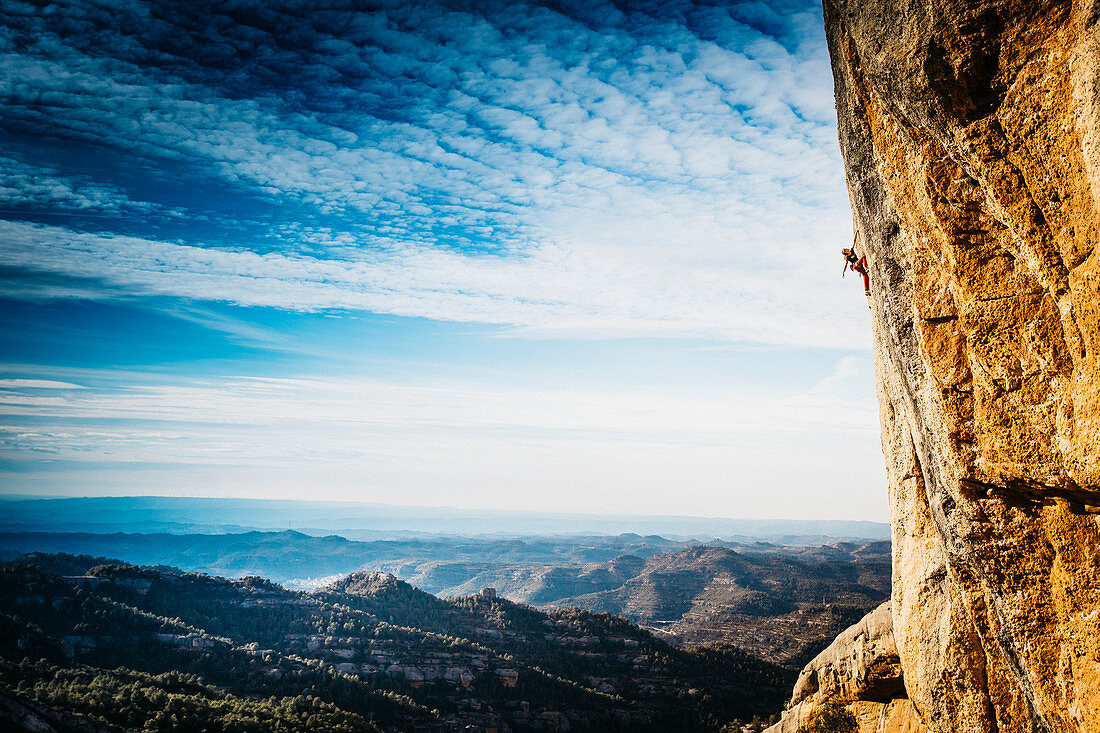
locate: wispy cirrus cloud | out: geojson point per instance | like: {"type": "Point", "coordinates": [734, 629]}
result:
{"type": "Point", "coordinates": [452, 443]}
{"type": "Point", "coordinates": [552, 290]}
{"type": "Point", "coordinates": [653, 170]}
{"type": "Point", "coordinates": [37, 384]}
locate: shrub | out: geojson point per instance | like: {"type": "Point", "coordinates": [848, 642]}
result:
{"type": "Point", "coordinates": [833, 718]}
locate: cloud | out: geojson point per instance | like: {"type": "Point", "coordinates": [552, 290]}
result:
{"type": "Point", "coordinates": [841, 397]}
{"type": "Point", "coordinates": [31, 189]}
{"type": "Point", "coordinates": [573, 290]}
{"type": "Point", "coordinates": [449, 442]}
{"type": "Point", "coordinates": [595, 171]}
{"type": "Point", "coordinates": [37, 384]}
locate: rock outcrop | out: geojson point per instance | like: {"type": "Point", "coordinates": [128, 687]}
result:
{"type": "Point", "coordinates": [861, 671]}
{"type": "Point", "coordinates": [971, 137]}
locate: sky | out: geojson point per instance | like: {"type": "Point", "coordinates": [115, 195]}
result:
{"type": "Point", "coordinates": [523, 255]}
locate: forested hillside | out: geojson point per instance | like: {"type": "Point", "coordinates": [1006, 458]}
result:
{"type": "Point", "coordinates": [784, 606]}
{"type": "Point", "coordinates": [115, 644]}
{"type": "Point", "coordinates": [782, 603]}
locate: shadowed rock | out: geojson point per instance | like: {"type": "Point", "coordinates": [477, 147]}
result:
{"type": "Point", "coordinates": [860, 670]}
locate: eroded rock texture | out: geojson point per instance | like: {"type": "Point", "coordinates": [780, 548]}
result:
{"type": "Point", "coordinates": [860, 670]}
{"type": "Point", "coordinates": [971, 137]}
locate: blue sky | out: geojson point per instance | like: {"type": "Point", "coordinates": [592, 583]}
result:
{"type": "Point", "coordinates": [520, 255]}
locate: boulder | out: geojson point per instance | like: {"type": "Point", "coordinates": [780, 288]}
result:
{"type": "Point", "coordinates": [861, 672]}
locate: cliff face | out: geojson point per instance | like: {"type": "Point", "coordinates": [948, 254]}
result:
{"type": "Point", "coordinates": [971, 136]}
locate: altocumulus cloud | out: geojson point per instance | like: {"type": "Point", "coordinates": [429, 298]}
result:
{"type": "Point", "coordinates": [581, 169]}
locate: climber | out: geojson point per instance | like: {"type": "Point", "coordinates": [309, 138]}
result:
{"type": "Point", "coordinates": [858, 264]}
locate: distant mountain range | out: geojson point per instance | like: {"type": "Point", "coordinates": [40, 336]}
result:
{"type": "Point", "coordinates": [782, 603]}
{"type": "Point", "coordinates": [364, 521]}
{"type": "Point", "coordinates": [94, 646]}
{"type": "Point", "coordinates": [304, 560]}
{"type": "Point", "coordinates": [780, 600]}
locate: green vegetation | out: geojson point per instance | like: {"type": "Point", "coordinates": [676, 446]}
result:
{"type": "Point", "coordinates": [833, 717]}
{"type": "Point", "coordinates": [125, 645]}
{"type": "Point", "coordinates": [170, 701]}
{"type": "Point", "coordinates": [781, 603]}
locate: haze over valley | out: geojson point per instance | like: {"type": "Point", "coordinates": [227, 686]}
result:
{"type": "Point", "coordinates": [781, 592]}
{"type": "Point", "coordinates": [501, 631]}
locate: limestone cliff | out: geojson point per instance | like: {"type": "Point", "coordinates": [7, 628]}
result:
{"type": "Point", "coordinates": [861, 671]}
{"type": "Point", "coordinates": [971, 137]}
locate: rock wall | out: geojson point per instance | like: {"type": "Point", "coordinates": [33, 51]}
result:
{"type": "Point", "coordinates": [971, 138]}
{"type": "Point", "coordinates": [860, 670]}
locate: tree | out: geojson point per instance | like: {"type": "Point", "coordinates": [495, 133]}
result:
{"type": "Point", "coordinates": [834, 717]}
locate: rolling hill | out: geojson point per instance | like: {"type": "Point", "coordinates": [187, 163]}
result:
{"type": "Point", "coordinates": [367, 652]}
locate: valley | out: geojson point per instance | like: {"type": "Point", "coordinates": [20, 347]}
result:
{"type": "Point", "coordinates": [245, 629]}
{"type": "Point", "coordinates": [783, 603]}
{"type": "Point", "coordinates": [89, 647]}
